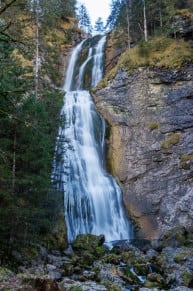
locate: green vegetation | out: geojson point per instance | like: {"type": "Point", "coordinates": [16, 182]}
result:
{"type": "Point", "coordinates": [185, 161]}
{"type": "Point", "coordinates": [4, 274]}
{"type": "Point", "coordinates": [30, 210]}
{"type": "Point", "coordinates": [138, 20]}
{"type": "Point", "coordinates": [186, 157]}
{"type": "Point", "coordinates": [187, 279]}
{"type": "Point", "coordinates": [182, 256]}
{"type": "Point", "coordinates": [76, 288]}
{"type": "Point", "coordinates": [173, 139]}
{"type": "Point", "coordinates": [149, 35]}
{"type": "Point", "coordinates": [153, 125]}
{"type": "Point", "coordinates": [160, 52]}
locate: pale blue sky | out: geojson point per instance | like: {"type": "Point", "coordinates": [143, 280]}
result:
{"type": "Point", "coordinates": [97, 8]}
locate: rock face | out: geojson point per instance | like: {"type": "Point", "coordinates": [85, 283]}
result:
{"type": "Point", "coordinates": [150, 146]}
{"type": "Point", "coordinates": [182, 26]}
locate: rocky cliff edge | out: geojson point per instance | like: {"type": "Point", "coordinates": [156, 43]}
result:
{"type": "Point", "coordinates": [150, 146]}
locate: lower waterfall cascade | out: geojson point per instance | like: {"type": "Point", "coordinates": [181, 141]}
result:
{"type": "Point", "coordinates": [92, 199]}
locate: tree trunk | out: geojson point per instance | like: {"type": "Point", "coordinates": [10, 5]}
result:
{"type": "Point", "coordinates": [14, 160]}
{"type": "Point", "coordinates": [160, 16]}
{"type": "Point", "coordinates": [145, 21]}
{"type": "Point", "coordinates": [128, 24]}
{"type": "Point", "coordinates": [37, 58]}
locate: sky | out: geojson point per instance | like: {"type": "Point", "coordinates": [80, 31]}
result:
{"type": "Point", "coordinates": [96, 9]}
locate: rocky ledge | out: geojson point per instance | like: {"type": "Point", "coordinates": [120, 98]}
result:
{"type": "Point", "coordinates": [89, 265]}
{"type": "Point", "coordinates": [149, 113]}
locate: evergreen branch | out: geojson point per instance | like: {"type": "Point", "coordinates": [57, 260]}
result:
{"type": "Point", "coordinates": [13, 91]}
{"type": "Point", "coordinates": [26, 123]}
{"type": "Point", "coordinates": [10, 38]}
{"type": "Point", "coordinates": [3, 9]}
{"type": "Point", "coordinates": [2, 155]}
{"type": "Point", "coordinates": [5, 27]}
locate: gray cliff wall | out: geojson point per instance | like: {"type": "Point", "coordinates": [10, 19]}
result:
{"type": "Point", "coordinates": [150, 152]}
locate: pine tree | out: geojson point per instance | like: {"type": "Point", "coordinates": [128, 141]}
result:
{"type": "Point", "coordinates": [28, 127]}
{"type": "Point", "coordinates": [99, 26]}
{"type": "Point", "coordinates": [112, 20]}
{"type": "Point", "coordinates": [84, 19]}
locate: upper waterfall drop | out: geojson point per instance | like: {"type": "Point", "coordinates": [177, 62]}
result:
{"type": "Point", "coordinates": [92, 199]}
{"type": "Point", "coordinates": [70, 70]}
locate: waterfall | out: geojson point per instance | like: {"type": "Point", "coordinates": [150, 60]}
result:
{"type": "Point", "coordinates": [92, 198]}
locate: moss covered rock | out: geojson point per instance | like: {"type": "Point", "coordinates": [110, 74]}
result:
{"type": "Point", "coordinates": [88, 242]}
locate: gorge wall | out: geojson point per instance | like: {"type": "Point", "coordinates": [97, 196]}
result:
{"type": "Point", "coordinates": [150, 145]}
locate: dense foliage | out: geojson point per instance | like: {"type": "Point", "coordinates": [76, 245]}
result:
{"type": "Point", "coordinates": [137, 20]}
{"type": "Point", "coordinates": [29, 116]}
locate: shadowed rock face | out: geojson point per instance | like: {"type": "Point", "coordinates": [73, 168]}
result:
{"type": "Point", "coordinates": [150, 152]}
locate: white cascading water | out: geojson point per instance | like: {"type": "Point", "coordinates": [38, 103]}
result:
{"type": "Point", "coordinates": [92, 199]}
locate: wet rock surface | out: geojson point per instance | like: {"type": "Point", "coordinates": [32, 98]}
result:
{"type": "Point", "coordinates": [160, 266]}
{"type": "Point", "coordinates": [150, 141]}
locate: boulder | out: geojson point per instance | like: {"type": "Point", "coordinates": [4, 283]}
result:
{"type": "Point", "coordinates": [88, 242]}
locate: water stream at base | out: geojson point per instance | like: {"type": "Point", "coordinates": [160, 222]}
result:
{"type": "Point", "coordinates": [92, 199]}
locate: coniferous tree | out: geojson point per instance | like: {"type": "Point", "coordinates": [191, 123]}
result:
{"type": "Point", "coordinates": [28, 126]}
{"type": "Point", "coordinates": [112, 20]}
{"type": "Point", "coordinates": [84, 19]}
{"type": "Point", "coordinates": [99, 26]}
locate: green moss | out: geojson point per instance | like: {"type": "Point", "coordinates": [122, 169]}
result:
{"type": "Point", "coordinates": [186, 158]}
{"type": "Point", "coordinates": [88, 245]}
{"type": "Point", "coordinates": [102, 84]}
{"type": "Point", "coordinates": [110, 76]}
{"type": "Point", "coordinates": [176, 235]}
{"type": "Point", "coordinates": [69, 269]}
{"type": "Point", "coordinates": [185, 161]}
{"type": "Point", "coordinates": [130, 276]}
{"type": "Point", "coordinates": [113, 287]}
{"type": "Point", "coordinates": [182, 256]}
{"type": "Point", "coordinates": [112, 259]}
{"type": "Point", "coordinates": [153, 125]}
{"type": "Point", "coordinates": [187, 278]}
{"type": "Point", "coordinates": [173, 139]}
{"type": "Point", "coordinates": [100, 251]}
{"type": "Point", "coordinates": [189, 240]}
{"type": "Point", "coordinates": [75, 288]}
{"type": "Point", "coordinates": [141, 269]}
{"type": "Point", "coordinates": [150, 284]}
{"type": "Point", "coordinates": [4, 274]}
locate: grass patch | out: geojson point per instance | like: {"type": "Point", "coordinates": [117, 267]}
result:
{"type": "Point", "coordinates": [161, 52]}
{"type": "Point", "coordinates": [186, 13]}
{"type": "Point", "coordinates": [172, 140]}
{"type": "Point", "coordinates": [187, 278]}
{"type": "Point", "coordinates": [187, 157]}
{"type": "Point", "coordinates": [153, 125]}
{"type": "Point", "coordinates": [185, 161]}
